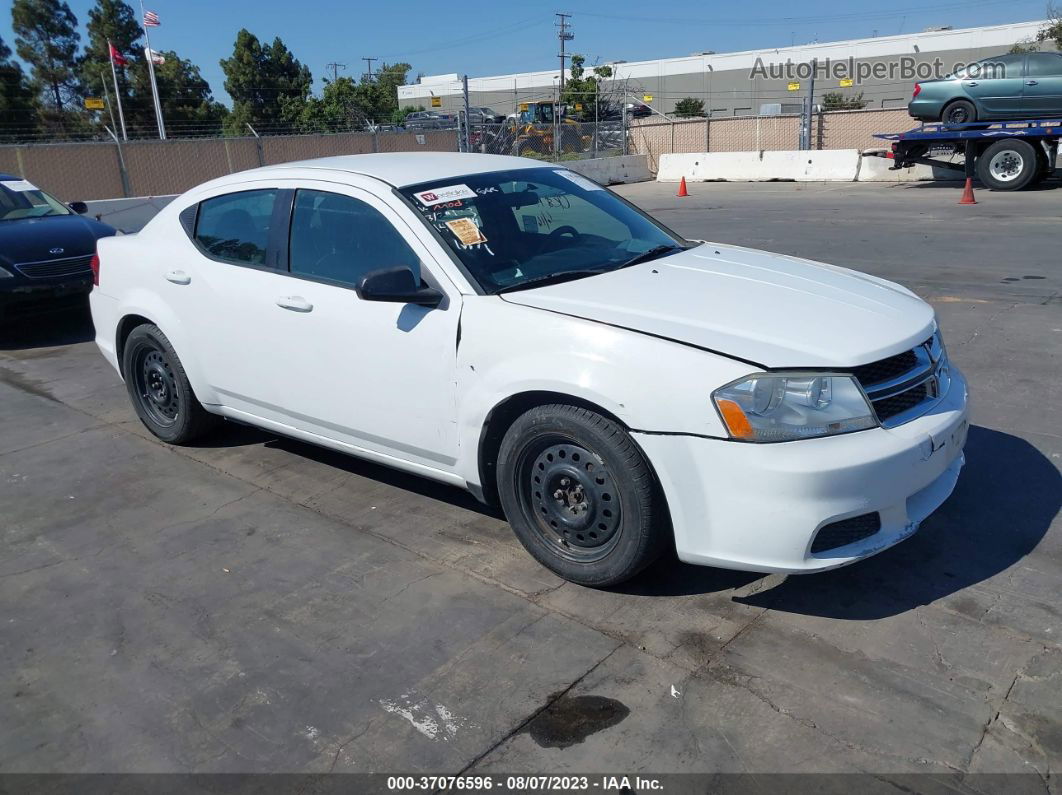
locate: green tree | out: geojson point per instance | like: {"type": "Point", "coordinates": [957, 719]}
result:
{"type": "Point", "coordinates": [268, 85]}
{"type": "Point", "coordinates": [689, 107]}
{"type": "Point", "coordinates": [188, 106]}
{"type": "Point", "coordinates": [46, 38]}
{"type": "Point", "coordinates": [348, 105]}
{"type": "Point", "coordinates": [114, 21]}
{"type": "Point", "coordinates": [585, 91]}
{"type": "Point", "coordinates": [835, 100]}
{"type": "Point", "coordinates": [18, 106]}
{"type": "Point", "coordinates": [1052, 31]}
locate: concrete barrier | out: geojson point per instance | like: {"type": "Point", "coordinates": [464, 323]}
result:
{"type": "Point", "coordinates": [613, 170]}
{"type": "Point", "coordinates": [812, 166]}
{"type": "Point", "coordinates": [129, 215]}
{"type": "Point", "coordinates": [878, 169]}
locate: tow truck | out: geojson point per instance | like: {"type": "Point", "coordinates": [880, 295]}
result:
{"type": "Point", "coordinates": [1005, 155]}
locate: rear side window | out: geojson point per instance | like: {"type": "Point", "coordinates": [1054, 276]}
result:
{"type": "Point", "coordinates": [235, 227]}
{"type": "Point", "coordinates": [340, 238]}
{"type": "Point", "coordinates": [998, 67]}
{"type": "Point", "coordinates": [1044, 64]}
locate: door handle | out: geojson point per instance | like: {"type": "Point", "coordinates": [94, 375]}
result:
{"type": "Point", "coordinates": [970, 83]}
{"type": "Point", "coordinates": [296, 303]}
{"type": "Point", "coordinates": [178, 277]}
{"type": "Point", "coordinates": [1032, 82]}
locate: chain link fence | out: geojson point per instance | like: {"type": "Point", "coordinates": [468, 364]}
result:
{"type": "Point", "coordinates": [563, 139]}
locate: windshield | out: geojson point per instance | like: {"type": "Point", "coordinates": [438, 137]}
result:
{"type": "Point", "coordinates": [21, 199]}
{"type": "Point", "coordinates": [519, 228]}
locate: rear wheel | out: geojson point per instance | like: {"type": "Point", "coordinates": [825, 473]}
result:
{"type": "Point", "coordinates": [159, 388]}
{"type": "Point", "coordinates": [580, 495]}
{"type": "Point", "coordinates": [961, 111]}
{"type": "Point", "coordinates": [1008, 165]}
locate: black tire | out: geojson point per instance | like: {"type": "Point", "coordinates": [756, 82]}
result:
{"type": "Point", "coordinates": [961, 111]}
{"type": "Point", "coordinates": [1008, 165]}
{"type": "Point", "coordinates": [580, 495]}
{"type": "Point", "coordinates": [159, 388]}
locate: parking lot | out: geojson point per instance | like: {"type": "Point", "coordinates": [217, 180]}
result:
{"type": "Point", "coordinates": [255, 604]}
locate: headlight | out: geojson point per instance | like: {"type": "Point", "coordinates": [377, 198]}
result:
{"type": "Point", "coordinates": [781, 408]}
{"type": "Point", "coordinates": [5, 274]}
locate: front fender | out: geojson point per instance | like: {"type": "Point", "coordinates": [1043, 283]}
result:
{"type": "Point", "coordinates": [650, 384]}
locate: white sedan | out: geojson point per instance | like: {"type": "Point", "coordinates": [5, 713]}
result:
{"type": "Point", "coordinates": [516, 329]}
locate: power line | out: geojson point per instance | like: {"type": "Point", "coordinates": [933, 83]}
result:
{"type": "Point", "coordinates": [368, 65]}
{"type": "Point", "coordinates": [335, 67]}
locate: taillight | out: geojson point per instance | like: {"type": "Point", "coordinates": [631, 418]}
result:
{"type": "Point", "coordinates": [95, 265]}
{"type": "Point", "coordinates": [917, 91]}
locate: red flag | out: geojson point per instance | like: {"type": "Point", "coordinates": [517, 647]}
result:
{"type": "Point", "coordinates": [116, 57]}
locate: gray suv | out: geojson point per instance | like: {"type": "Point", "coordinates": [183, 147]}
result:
{"type": "Point", "coordinates": [429, 120]}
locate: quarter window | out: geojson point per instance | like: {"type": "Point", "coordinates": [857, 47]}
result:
{"type": "Point", "coordinates": [235, 227]}
{"type": "Point", "coordinates": [340, 238]}
{"type": "Point", "coordinates": [1044, 64]}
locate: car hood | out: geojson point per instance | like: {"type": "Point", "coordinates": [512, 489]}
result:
{"type": "Point", "coordinates": [767, 309]}
{"type": "Point", "coordinates": [32, 239]}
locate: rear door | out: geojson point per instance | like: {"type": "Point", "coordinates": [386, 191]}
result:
{"type": "Point", "coordinates": [1043, 83]}
{"type": "Point", "coordinates": [997, 84]}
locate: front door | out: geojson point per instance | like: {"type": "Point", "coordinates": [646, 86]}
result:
{"type": "Point", "coordinates": [1043, 84]}
{"type": "Point", "coordinates": [996, 84]}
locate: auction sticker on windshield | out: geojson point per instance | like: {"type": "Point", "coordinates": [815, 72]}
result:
{"type": "Point", "coordinates": [466, 231]}
{"type": "Point", "coordinates": [579, 180]}
{"type": "Point", "coordinates": [430, 198]}
{"type": "Point", "coordinates": [20, 185]}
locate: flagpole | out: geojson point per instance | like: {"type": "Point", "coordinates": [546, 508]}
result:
{"type": "Point", "coordinates": [107, 97]}
{"type": "Point", "coordinates": [117, 94]}
{"type": "Point", "coordinates": [151, 74]}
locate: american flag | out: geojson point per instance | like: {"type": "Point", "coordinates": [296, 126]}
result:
{"type": "Point", "coordinates": [151, 19]}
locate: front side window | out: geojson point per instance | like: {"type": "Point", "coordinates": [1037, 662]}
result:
{"type": "Point", "coordinates": [22, 199]}
{"type": "Point", "coordinates": [235, 227]}
{"type": "Point", "coordinates": [341, 239]}
{"type": "Point", "coordinates": [1044, 64]}
{"type": "Point", "coordinates": [522, 228]}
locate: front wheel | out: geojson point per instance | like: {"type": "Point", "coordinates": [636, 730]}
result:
{"type": "Point", "coordinates": [1008, 165]}
{"type": "Point", "coordinates": [580, 495]}
{"type": "Point", "coordinates": [159, 388]}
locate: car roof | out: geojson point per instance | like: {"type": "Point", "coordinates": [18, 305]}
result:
{"type": "Point", "coordinates": [401, 169]}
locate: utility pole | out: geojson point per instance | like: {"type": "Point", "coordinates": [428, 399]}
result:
{"type": "Point", "coordinates": [564, 34]}
{"type": "Point", "coordinates": [368, 67]}
{"type": "Point", "coordinates": [335, 67]}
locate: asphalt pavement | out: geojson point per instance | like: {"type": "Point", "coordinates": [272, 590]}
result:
{"type": "Point", "coordinates": [255, 604]}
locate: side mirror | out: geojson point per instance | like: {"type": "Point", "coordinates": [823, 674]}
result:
{"type": "Point", "coordinates": [79, 207]}
{"type": "Point", "coordinates": [397, 285]}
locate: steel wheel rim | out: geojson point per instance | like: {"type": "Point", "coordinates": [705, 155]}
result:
{"type": "Point", "coordinates": [1006, 166]}
{"type": "Point", "coordinates": [959, 115]}
{"type": "Point", "coordinates": [156, 385]}
{"type": "Point", "coordinates": [571, 498]}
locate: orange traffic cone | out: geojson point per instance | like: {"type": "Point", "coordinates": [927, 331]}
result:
{"type": "Point", "coordinates": [967, 193]}
{"type": "Point", "coordinates": [682, 188]}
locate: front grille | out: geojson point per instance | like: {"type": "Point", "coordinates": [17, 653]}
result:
{"type": "Point", "coordinates": [846, 531]}
{"type": "Point", "coordinates": [889, 407]}
{"type": "Point", "coordinates": [902, 384]}
{"type": "Point", "coordinates": [50, 269]}
{"type": "Point", "coordinates": [886, 369]}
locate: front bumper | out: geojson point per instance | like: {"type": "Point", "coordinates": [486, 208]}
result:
{"type": "Point", "coordinates": [21, 296]}
{"type": "Point", "coordinates": [758, 506]}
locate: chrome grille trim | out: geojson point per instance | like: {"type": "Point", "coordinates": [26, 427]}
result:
{"type": "Point", "coordinates": [52, 268]}
{"type": "Point", "coordinates": [931, 373]}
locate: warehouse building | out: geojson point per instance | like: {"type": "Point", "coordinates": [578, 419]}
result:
{"type": "Point", "coordinates": [755, 82]}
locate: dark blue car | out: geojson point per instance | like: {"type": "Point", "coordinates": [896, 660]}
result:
{"type": "Point", "coordinates": [46, 249]}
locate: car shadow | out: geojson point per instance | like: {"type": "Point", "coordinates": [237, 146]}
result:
{"type": "Point", "coordinates": [1006, 498]}
{"type": "Point", "coordinates": [957, 184]}
{"type": "Point", "coordinates": [67, 326]}
{"type": "Point", "coordinates": [234, 434]}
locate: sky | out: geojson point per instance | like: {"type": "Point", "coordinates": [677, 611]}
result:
{"type": "Point", "coordinates": [489, 37]}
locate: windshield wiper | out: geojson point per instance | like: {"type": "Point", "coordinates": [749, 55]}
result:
{"type": "Point", "coordinates": [552, 278]}
{"type": "Point", "coordinates": [653, 253]}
